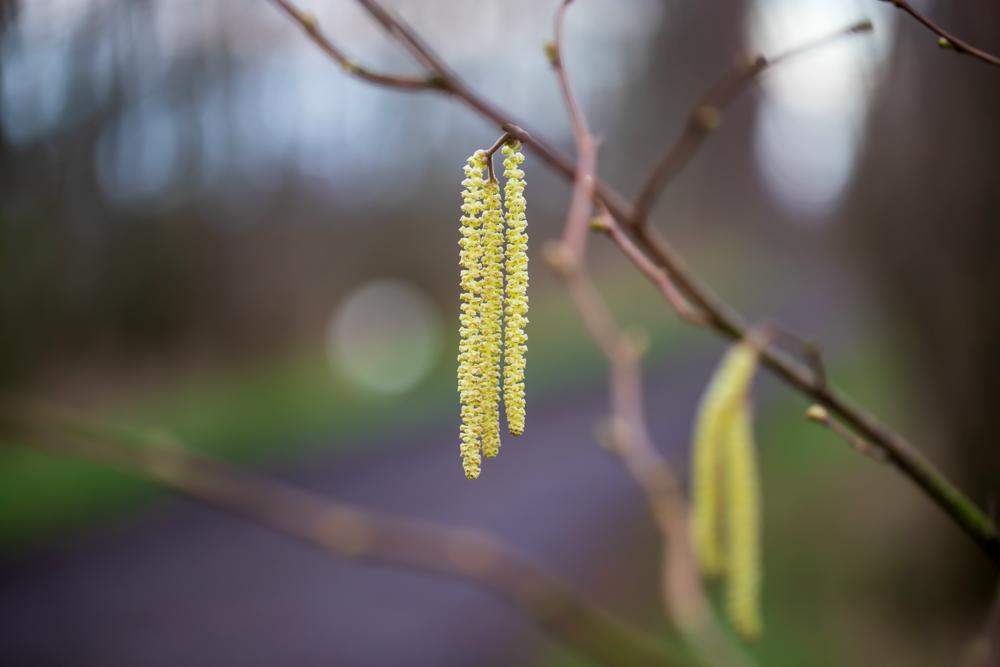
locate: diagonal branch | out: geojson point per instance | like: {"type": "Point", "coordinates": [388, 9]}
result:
{"type": "Point", "coordinates": [707, 114]}
{"type": "Point", "coordinates": [310, 25]}
{"type": "Point", "coordinates": [683, 596]}
{"type": "Point", "coordinates": [945, 38]}
{"type": "Point", "coordinates": [351, 533]}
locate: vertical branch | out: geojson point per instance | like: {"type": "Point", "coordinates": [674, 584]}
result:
{"type": "Point", "coordinates": [683, 597]}
{"type": "Point", "coordinates": [575, 229]}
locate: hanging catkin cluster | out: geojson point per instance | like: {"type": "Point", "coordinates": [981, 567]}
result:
{"type": "Point", "coordinates": [493, 311]}
{"type": "Point", "coordinates": [726, 489]}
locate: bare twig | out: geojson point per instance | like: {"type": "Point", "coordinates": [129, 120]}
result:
{"type": "Point", "coordinates": [310, 25]}
{"type": "Point", "coordinates": [707, 115]}
{"type": "Point", "coordinates": [945, 38]}
{"type": "Point", "coordinates": [819, 415]}
{"type": "Point", "coordinates": [575, 230]}
{"type": "Point", "coordinates": [655, 274]}
{"type": "Point", "coordinates": [683, 596]}
{"type": "Point", "coordinates": [348, 532]}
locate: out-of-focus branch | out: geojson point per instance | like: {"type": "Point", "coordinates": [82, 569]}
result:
{"type": "Point", "coordinates": [819, 415]}
{"type": "Point", "coordinates": [724, 321]}
{"type": "Point", "coordinates": [946, 39]}
{"type": "Point", "coordinates": [707, 114]}
{"type": "Point", "coordinates": [310, 25]}
{"type": "Point", "coordinates": [683, 596]}
{"type": "Point", "coordinates": [348, 532]}
{"type": "Point", "coordinates": [581, 202]}
{"type": "Point", "coordinates": [657, 275]}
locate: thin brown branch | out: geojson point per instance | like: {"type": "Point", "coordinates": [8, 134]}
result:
{"type": "Point", "coordinates": [707, 115]}
{"type": "Point", "coordinates": [819, 415]}
{"type": "Point", "coordinates": [575, 229]}
{"type": "Point", "coordinates": [351, 533]}
{"type": "Point", "coordinates": [683, 596]}
{"type": "Point", "coordinates": [408, 38]}
{"type": "Point", "coordinates": [724, 321]}
{"type": "Point", "coordinates": [310, 25]}
{"type": "Point", "coordinates": [450, 82]}
{"type": "Point", "coordinates": [505, 138]}
{"type": "Point", "coordinates": [655, 274]}
{"type": "Point", "coordinates": [945, 38]}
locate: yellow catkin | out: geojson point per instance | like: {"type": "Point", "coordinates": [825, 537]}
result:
{"type": "Point", "coordinates": [516, 293]}
{"type": "Point", "coordinates": [470, 333]}
{"type": "Point", "coordinates": [719, 405]}
{"type": "Point", "coordinates": [492, 314]}
{"type": "Point", "coordinates": [743, 548]}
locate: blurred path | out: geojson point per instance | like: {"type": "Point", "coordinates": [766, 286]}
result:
{"type": "Point", "coordinates": [177, 584]}
{"type": "Point", "coordinates": [182, 585]}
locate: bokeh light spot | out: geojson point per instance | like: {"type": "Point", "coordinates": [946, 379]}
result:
{"type": "Point", "coordinates": [385, 336]}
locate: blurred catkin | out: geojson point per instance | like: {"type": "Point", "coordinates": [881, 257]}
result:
{"type": "Point", "coordinates": [742, 519]}
{"type": "Point", "coordinates": [726, 488]}
{"type": "Point", "coordinates": [718, 407]}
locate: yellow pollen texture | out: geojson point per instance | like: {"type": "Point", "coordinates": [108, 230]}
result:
{"type": "Point", "coordinates": [516, 293]}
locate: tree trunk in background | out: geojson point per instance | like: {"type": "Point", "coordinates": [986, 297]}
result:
{"type": "Point", "coordinates": [924, 218]}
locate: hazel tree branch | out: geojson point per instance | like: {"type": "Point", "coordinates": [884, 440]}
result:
{"type": "Point", "coordinates": [581, 202]}
{"type": "Point", "coordinates": [946, 39]}
{"type": "Point", "coordinates": [707, 115]}
{"type": "Point", "coordinates": [310, 26]}
{"type": "Point", "coordinates": [655, 274]}
{"type": "Point", "coordinates": [683, 596]}
{"type": "Point", "coordinates": [348, 532]}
